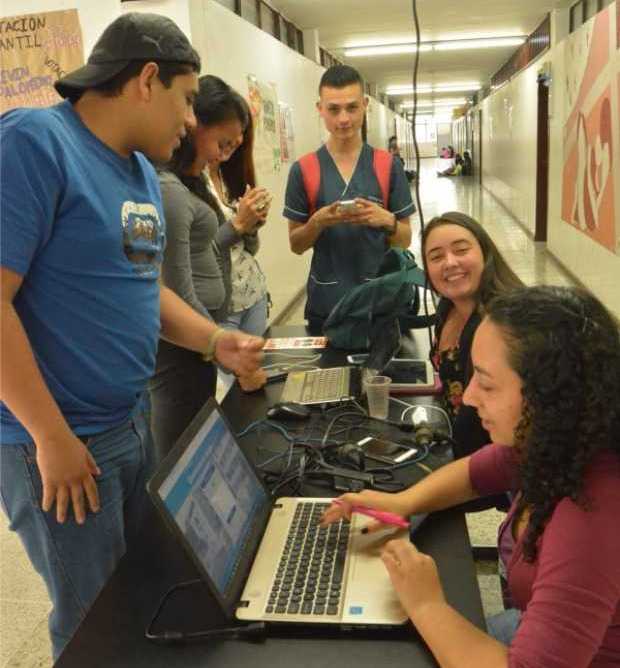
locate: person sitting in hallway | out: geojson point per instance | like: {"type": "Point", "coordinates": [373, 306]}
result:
{"type": "Point", "coordinates": [466, 269]}
{"type": "Point", "coordinates": [455, 169]}
{"type": "Point", "coordinates": [348, 244]}
{"type": "Point", "coordinates": [394, 149]}
{"type": "Point", "coordinates": [467, 164]}
{"type": "Point", "coordinates": [546, 382]}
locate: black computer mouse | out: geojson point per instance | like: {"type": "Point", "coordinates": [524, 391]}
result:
{"type": "Point", "coordinates": [288, 410]}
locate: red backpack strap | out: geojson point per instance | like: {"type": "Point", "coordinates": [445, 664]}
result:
{"type": "Point", "coordinates": [382, 165]}
{"type": "Point", "coordinates": [311, 174]}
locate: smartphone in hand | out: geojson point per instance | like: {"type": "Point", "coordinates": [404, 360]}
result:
{"type": "Point", "coordinates": [347, 206]}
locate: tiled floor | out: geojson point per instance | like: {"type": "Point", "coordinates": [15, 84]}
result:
{"type": "Point", "coordinates": [23, 600]}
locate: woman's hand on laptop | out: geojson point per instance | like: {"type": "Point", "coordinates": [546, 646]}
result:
{"type": "Point", "coordinates": [415, 578]}
{"type": "Point", "coordinates": [391, 503]}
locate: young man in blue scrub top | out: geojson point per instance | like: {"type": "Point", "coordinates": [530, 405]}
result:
{"type": "Point", "coordinates": [82, 307]}
{"type": "Point", "coordinates": [347, 245]}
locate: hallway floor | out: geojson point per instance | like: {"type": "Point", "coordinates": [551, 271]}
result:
{"type": "Point", "coordinates": [24, 603]}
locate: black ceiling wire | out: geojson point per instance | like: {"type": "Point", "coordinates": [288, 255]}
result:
{"type": "Point", "coordinates": [418, 201]}
{"type": "Point", "coordinates": [415, 112]}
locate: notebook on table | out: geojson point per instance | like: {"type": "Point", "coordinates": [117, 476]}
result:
{"type": "Point", "coordinates": [266, 559]}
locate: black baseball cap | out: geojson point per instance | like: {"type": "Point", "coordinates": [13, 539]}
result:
{"type": "Point", "coordinates": [132, 36]}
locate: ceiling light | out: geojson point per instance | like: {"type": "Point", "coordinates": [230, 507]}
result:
{"type": "Point", "coordinates": [428, 118]}
{"type": "Point", "coordinates": [458, 44]}
{"type": "Point", "coordinates": [408, 104]}
{"type": "Point", "coordinates": [437, 88]}
{"type": "Point", "coordinates": [387, 50]}
{"type": "Point", "coordinates": [448, 45]}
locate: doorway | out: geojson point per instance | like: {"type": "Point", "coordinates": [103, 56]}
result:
{"type": "Point", "coordinates": [542, 161]}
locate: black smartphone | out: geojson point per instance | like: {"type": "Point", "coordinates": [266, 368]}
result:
{"type": "Point", "coordinates": [385, 451]}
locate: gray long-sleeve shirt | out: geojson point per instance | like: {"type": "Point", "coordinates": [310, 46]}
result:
{"type": "Point", "coordinates": [191, 267]}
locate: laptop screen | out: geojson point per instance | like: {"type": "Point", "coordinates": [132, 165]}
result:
{"type": "Point", "coordinates": [213, 496]}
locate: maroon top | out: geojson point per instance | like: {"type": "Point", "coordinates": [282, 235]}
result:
{"type": "Point", "coordinates": [571, 594]}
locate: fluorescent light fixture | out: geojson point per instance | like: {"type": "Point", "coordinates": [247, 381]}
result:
{"type": "Point", "coordinates": [437, 88]}
{"type": "Point", "coordinates": [386, 50]}
{"type": "Point", "coordinates": [449, 45]}
{"type": "Point", "coordinates": [459, 44]}
{"type": "Point", "coordinates": [408, 104]}
{"type": "Point", "coordinates": [425, 119]}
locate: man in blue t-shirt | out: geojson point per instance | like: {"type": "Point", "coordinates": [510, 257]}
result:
{"type": "Point", "coordinates": [82, 307]}
{"type": "Point", "coordinates": [348, 245]}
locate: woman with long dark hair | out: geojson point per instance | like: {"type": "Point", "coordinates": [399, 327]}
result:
{"type": "Point", "coordinates": [546, 385]}
{"type": "Point", "coordinates": [232, 181]}
{"type": "Point", "coordinates": [196, 261]}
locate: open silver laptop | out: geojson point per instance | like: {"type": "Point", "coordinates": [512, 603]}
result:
{"type": "Point", "coordinates": [323, 386]}
{"type": "Point", "coordinates": [342, 383]}
{"type": "Point", "coordinates": [263, 559]}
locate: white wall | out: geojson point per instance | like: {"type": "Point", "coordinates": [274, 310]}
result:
{"type": "Point", "coordinates": [380, 124]}
{"type": "Point", "coordinates": [444, 136]}
{"type": "Point", "coordinates": [509, 120]}
{"type": "Point", "coordinates": [509, 168]}
{"type": "Point", "coordinates": [177, 10]}
{"type": "Point", "coordinates": [94, 15]}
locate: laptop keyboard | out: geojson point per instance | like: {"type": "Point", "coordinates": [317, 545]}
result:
{"type": "Point", "coordinates": [309, 576]}
{"type": "Point", "coordinates": [325, 385]}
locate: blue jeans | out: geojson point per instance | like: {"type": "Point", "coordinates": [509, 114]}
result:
{"type": "Point", "coordinates": [252, 320]}
{"type": "Point", "coordinates": [76, 561]}
{"type": "Point", "coordinates": [503, 626]}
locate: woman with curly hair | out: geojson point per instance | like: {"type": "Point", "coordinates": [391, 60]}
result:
{"type": "Point", "coordinates": [546, 385]}
{"type": "Point", "coordinates": [467, 270]}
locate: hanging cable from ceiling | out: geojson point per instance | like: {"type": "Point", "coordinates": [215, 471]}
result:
{"type": "Point", "coordinates": [414, 114]}
{"type": "Point", "coordinates": [418, 201]}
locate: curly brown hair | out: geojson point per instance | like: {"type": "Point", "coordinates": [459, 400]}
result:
{"type": "Point", "coordinates": [565, 346]}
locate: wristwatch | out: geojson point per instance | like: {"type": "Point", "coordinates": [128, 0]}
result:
{"type": "Point", "coordinates": [390, 231]}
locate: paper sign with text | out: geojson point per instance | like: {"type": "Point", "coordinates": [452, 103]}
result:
{"type": "Point", "coordinates": [35, 51]}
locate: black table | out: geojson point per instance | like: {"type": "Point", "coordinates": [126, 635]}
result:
{"type": "Point", "coordinates": [112, 634]}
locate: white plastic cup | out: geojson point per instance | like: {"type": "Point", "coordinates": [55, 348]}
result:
{"type": "Point", "coordinates": [378, 396]}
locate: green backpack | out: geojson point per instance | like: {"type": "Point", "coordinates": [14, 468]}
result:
{"type": "Point", "coordinates": [391, 296]}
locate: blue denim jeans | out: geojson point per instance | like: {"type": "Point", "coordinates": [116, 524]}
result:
{"type": "Point", "coordinates": [252, 320]}
{"type": "Point", "coordinates": [76, 561]}
{"type": "Point", "coordinates": [503, 626]}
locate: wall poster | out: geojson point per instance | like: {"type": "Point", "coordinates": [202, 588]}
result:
{"type": "Point", "coordinates": [35, 51]}
{"type": "Point", "coordinates": [264, 107]}
{"type": "Point", "coordinates": [287, 133]}
{"type": "Point", "coordinates": [591, 137]}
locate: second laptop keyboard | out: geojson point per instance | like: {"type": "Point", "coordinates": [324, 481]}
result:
{"type": "Point", "coordinates": [326, 385]}
{"type": "Point", "coordinates": [310, 572]}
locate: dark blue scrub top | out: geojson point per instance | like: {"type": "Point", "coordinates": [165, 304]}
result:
{"type": "Point", "coordinates": [345, 255]}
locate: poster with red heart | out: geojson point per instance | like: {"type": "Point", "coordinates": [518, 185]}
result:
{"type": "Point", "coordinates": [590, 200]}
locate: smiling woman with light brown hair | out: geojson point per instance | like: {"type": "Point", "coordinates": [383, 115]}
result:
{"type": "Point", "coordinates": [465, 268]}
